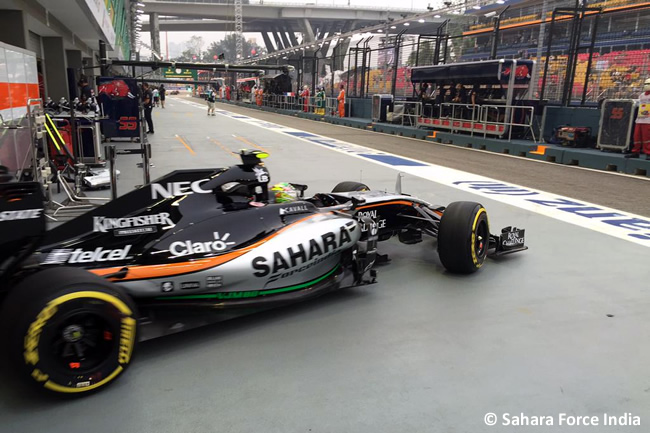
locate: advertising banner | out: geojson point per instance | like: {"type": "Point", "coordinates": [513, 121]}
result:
{"type": "Point", "coordinates": [118, 97]}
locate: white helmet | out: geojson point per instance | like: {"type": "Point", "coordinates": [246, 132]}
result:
{"type": "Point", "coordinates": [646, 85]}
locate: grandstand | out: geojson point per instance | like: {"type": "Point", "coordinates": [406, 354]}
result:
{"type": "Point", "coordinates": [620, 63]}
{"type": "Point", "coordinates": [621, 52]}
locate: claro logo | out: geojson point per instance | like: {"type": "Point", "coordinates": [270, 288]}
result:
{"type": "Point", "coordinates": [173, 189]}
{"type": "Point", "coordinates": [187, 248]}
{"type": "Point", "coordinates": [302, 256]}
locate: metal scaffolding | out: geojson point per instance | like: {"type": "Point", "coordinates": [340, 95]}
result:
{"type": "Point", "coordinates": [239, 28]}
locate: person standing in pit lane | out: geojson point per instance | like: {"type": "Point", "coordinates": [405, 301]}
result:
{"type": "Point", "coordinates": [305, 98]}
{"type": "Point", "coordinates": [87, 94]}
{"type": "Point", "coordinates": [642, 125]}
{"type": "Point", "coordinates": [341, 99]}
{"type": "Point", "coordinates": [147, 101]}
{"type": "Point", "coordinates": [163, 91]}
{"type": "Point", "coordinates": [212, 99]}
{"type": "Point", "coordinates": [156, 97]}
{"type": "Point", "coordinates": [320, 101]}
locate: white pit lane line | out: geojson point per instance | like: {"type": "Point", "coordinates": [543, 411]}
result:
{"type": "Point", "coordinates": [623, 225]}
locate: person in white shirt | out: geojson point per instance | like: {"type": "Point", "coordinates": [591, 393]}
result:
{"type": "Point", "coordinates": [156, 96]}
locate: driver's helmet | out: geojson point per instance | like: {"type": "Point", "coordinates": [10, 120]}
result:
{"type": "Point", "coordinates": [284, 192]}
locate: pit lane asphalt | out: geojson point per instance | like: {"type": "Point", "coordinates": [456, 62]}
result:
{"type": "Point", "coordinates": [629, 193]}
{"type": "Point", "coordinates": [420, 351]}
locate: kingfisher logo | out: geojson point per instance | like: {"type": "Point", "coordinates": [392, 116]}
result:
{"type": "Point", "coordinates": [103, 224]}
{"type": "Point", "coordinates": [303, 256]}
{"type": "Point", "coordinates": [173, 189]}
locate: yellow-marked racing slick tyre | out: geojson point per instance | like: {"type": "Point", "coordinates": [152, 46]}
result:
{"type": "Point", "coordinates": [68, 331]}
{"type": "Point", "coordinates": [350, 187]}
{"type": "Point", "coordinates": [463, 237]}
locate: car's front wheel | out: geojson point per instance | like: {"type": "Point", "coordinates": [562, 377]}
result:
{"type": "Point", "coordinates": [68, 331]}
{"type": "Point", "coordinates": [463, 237]}
{"type": "Point", "coordinates": [350, 186]}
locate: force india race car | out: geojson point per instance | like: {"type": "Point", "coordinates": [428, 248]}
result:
{"type": "Point", "coordinates": [192, 248]}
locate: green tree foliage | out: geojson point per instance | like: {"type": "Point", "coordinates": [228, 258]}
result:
{"type": "Point", "coordinates": [228, 47]}
{"type": "Point", "coordinates": [424, 55]}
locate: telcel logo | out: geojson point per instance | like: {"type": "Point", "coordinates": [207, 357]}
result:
{"type": "Point", "coordinates": [68, 255]}
{"type": "Point", "coordinates": [173, 189]}
{"type": "Point", "coordinates": [186, 248]}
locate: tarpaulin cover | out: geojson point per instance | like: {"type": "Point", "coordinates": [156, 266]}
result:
{"type": "Point", "coordinates": [488, 71]}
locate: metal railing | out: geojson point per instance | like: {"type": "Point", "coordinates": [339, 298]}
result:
{"type": "Point", "coordinates": [496, 120]}
{"type": "Point", "coordinates": [408, 112]}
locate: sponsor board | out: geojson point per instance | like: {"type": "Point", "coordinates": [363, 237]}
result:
{"type": "Point", "coordinates": [613, 222]}
{"type": "Point", "coordinates": [147, 222]}
{"type": "Point", "coordinates": [187, 248]}
{"type": "Point", "coordinates": [78, 255]}
{"type": "Point", "coordinates": [27, 214]}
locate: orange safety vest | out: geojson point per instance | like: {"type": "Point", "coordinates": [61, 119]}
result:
{"type": "Point", "coordinates": [341, 99]}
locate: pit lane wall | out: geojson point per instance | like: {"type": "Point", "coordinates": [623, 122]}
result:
{"type": "Point", "coordinates": [582, 157]}
{"type": "Point", "coordinates": [18, 84]}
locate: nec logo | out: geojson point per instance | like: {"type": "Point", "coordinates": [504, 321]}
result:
{"type": "Point", "coordinates": [173, 189]}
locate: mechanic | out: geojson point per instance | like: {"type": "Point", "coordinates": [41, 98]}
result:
{"type": "Point", "coordinates": [147, 101]}
{"type": "Point", "coordinates": [87, 94]}
{"type": "Point", "coordinates": [642, 125]}
{"type": "Point", "coordinates": [87, 100]}
{"type": "Point", "coordinates": [162, 91]}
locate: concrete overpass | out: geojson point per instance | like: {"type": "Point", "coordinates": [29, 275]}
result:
{"type": "Point", "coordinates": [278, 23]}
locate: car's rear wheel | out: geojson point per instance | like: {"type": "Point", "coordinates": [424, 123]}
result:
{"type": "Point", "coordinates": [463, 237]}
{"type": "Point", "coordinates": [350, 186]}
{"type": "Point", "coordinates": [68, 331]}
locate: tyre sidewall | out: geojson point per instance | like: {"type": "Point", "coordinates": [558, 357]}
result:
{"type": "Point", "coordinates": [31, 334]}
{"type": "Point", "coordinates": [457, 237]}
{"type": "Point", "coordinates": [350, 186]}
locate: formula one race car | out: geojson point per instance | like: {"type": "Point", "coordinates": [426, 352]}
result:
{"type": "Point", "coordinates": [191, 248]}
